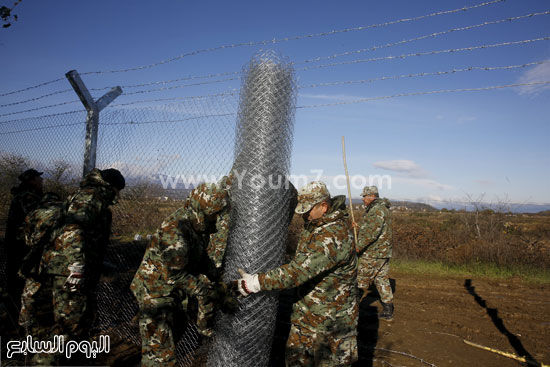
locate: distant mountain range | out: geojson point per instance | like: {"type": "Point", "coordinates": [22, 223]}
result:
{"type": "Point", "coordinates": [514, 208]}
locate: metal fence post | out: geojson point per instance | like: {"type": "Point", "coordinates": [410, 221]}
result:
{"type": "Point", "coordinates": [92, 118]}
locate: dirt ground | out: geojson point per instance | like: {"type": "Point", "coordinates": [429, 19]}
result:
{"type": "Point", "coordinates": [433, 315]}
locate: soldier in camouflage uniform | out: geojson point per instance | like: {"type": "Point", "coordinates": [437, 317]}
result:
{"type": "Point", "coordinates": [324, 268]}
{"type": "Point", "coordinates": [176, 262]}
{"type": "Point", "coordinates": [375, 249]}
{"type": "Point", "coordinates": [217, 241]}
{"type": "Point", "coordinates": [26, 197]}
{"type": "Point", "coordinates": [58, 299]}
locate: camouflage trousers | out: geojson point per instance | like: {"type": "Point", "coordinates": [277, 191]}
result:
{"type": "Point", "coordinates": [157, 327]}
{"type": "Point", "coordinates": [375, 270]}
{"type": "Point", "coordinates": [156, 323]}
{"type": "Point", "coordinates": [49, 309]}
{"type": "Point", "coordinates": [306, 347]}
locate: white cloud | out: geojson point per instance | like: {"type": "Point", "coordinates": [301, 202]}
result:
{"type": "Point", "coordinates": [424, 183]}
{"type": "Point", "coordinates": [402, 165]}
{"type": "Point", "coordinates": [540, 73]}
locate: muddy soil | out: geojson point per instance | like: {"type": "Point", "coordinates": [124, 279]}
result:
{"type": "Point", "coordinates": [434, 315]}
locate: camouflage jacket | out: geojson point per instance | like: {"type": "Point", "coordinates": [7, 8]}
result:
{"type": "Point", "coordinates": [324, 269]}
{"type": "Point", "coordinates": [24, 201]}
{"type": "Point", "coordinates": [84, 235]}
{"type": "Point", "coordinates": [218, 240]}
{"type": "Point", "coordinates": [375, 233]}
{"type": "Point", "coordinates": [175, 259]}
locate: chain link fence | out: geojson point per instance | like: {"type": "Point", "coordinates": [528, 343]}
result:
{"type": "Point", "coordinates": [162, 150]}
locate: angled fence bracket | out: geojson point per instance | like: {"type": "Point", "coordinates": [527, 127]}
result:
{"type": "Point", "coordinates": [92, 119]}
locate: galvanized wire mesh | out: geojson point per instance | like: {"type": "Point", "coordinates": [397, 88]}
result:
{"type": "Point", "coordinates": [163, 151]}
{"type": "Point", "coordinates": [260, 201]}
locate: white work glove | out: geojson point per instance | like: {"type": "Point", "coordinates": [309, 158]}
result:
{"type": "Point", "coordinates": [75, 280]}
{"type": "Point", "coordinates": [248, 284]}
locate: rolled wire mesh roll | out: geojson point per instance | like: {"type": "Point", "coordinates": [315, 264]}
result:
{"type": "Point", "coordinates": [260, 200]}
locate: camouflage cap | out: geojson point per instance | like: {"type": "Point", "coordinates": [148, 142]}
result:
{"type": "Point", "coordinates": [29, 175]}
{"type": "Point", "coordinates": [226, 181]}
{"type": "Point", "coordinates": [310, 195]}
{"type": "Point", "coordinates": [370, 191]}
{"type": "Point", "coordinates": [208, 198]}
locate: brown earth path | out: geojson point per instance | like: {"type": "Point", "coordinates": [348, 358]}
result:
{"type": "Point", "coordinates": [434, 314]}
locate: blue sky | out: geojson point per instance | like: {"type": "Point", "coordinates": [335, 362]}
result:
{"type": "Point", "coordinates": [440, 146]}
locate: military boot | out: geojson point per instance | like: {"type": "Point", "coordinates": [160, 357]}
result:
{"type": "Point", "coordinates": [387, 312]}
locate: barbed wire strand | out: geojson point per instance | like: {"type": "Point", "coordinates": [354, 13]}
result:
{"type": "Point", "coordinates": [360, 100]}
{"type": "Point", "coordinates": [320, 58]}
{"type": "Point", "coordinates": [180, 86]}
{"type": "Point", "coordinates": [131, 93]}
{"type": "Point", "coordinates": [166, 121]}
{"type": "Point", "coordinates": [37, 108]}
{"type": "Point", "coordinates": [228, 93]}
{"type": "Point", "coordinates": [315, 105]}
{"type": "Point", "coordinates": [43, 128]}
{"type": "Point", "coordinates": [33, 87]}
{"type": "Point", "coordinates": [354, 101]}
{"type": "Point", "coordinates": [436, 34]}
{"type": "Point", "coordinates": [37, 98]}
{"type": "Point", "coordinates": [435, 73]}
{"type": "Point", "coordinates": [125, 94]}
{"type": "Point", "coordinates": [403, 56]}
{"type": "Point", "coordinates": [232, 92]}
{"type": "Point", "coordinates": [265, 42]}
{"type": "Point", "coordinates": [293, 38]}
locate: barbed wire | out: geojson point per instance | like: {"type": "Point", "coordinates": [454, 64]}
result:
{"type": "Point", "coordinates": [165, 121]}
{"type": "Point", "coordinates": [453, 71]}
{"type": "Point", "coordinates": [41, 116]}
{"type": "Point", "coordinates": [180, 86]}
{"type": "Point", "coordinates": [177, 80]}
{"type": "Point", "coordinates": [320, 58]}
{"type": "Point", "coordinates": [42, 128]}
{"type": "Point", "coordinates": [451, 50]}
{"type": "Point", "coordinates": [296, 63]}
{"type": "Point", "coordinates": [33, 87]}
{"type": "Point", "coordinates": [36, 98]}
{"type": "Point", "coordinates": [38, 108]}
{"type": "Point", "coordinates": [231, 92]}
{"type": "Point", "coordinates": [424, 93]}
{"type": "Point", "coordinates": [293, 38]}
{"type": "Point", "coordinates": [471, 48]}
{"type": "Point", "coordinates": [459, 29]}
{"type": "Point", "coordinates": [360, 100]}
{"type": "Point", "coordinates": [125, 94]}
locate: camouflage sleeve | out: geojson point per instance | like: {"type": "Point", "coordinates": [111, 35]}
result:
{"type": "Point", "coordinates": [218, 240]}
{"type": "Point", "coordinates": [82, 213]}
{"type": "Point", "coordinates": [312, 258]}
{"type": "Point", "coordinates": [175, 260]}
{"type": "Point", "coordinates": [371, 228]}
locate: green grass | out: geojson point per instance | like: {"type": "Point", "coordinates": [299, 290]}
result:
{"type": "Point", "coordinates": [526, 273]}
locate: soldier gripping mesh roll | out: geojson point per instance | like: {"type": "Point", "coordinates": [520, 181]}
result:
{"type": "Point", "coordinates": [260, 201]}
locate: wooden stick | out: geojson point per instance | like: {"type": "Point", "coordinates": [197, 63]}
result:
{"type": "Point", "coordinates": [349, 189]}
{"type": "Point", "coordinates": [509, 355]}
